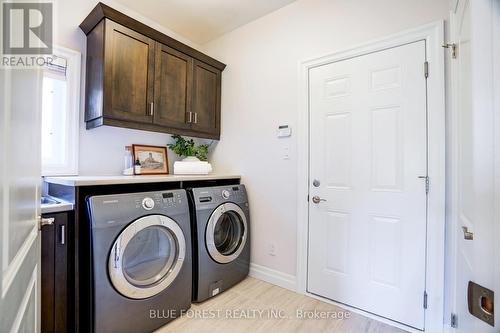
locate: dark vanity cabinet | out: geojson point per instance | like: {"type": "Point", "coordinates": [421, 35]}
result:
{"type": "Point", "coordinates": [56, 270]}
{"type": "Point", "coordinates": [140, 78]}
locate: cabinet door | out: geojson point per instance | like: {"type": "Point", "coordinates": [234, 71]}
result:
{"type": "Point", "coordinates": [54, 300]}
{"type": "Point", "coordinates": [128, 74]}
{"type": "Point", "coordinates": [206, 98]}
{"type": "Point", "coordinates": [48, 279]}
{"type": "Point", "coordinates": [173, 82]}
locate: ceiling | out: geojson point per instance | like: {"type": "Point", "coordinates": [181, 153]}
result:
{"type": "Point", "coordinates": [203, 20]}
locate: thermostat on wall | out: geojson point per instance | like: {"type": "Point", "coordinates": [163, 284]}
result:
{"type": "Point", "coordinates": [284, 131]}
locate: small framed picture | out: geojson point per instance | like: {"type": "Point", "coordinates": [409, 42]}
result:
{"type": "Point", "coordinates": [153, 159]}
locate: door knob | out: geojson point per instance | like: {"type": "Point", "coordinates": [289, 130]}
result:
{"type": "Point", "coordinates": [467, 234]}
{"type": "Point", "coordinates": [317, 199]}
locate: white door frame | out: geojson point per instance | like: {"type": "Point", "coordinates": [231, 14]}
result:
{"type": "Point", "coordinates": [433, 34]}
{"type": "Point", "coordinates": [496, 104]}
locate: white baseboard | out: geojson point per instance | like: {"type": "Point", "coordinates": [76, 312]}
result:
{"type": "Point", "coordinates": [270, 275]}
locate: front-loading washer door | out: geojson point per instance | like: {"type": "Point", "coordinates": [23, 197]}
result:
{"type": "Point", "coordinates": [226, 233]}
{"type": "Point", "coordinates": [147, 256]}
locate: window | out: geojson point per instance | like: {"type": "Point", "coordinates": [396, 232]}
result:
{"type": "Point", "coordinates": [60, 113]}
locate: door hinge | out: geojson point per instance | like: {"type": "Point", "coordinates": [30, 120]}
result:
{"type": "Point", "coordinates": [453, 320]}
{"type": "Point", "coordinates": [427, 183]}
{"type": "Point", "coordinates": [453, 48]}
{"type": "Point", "coordinates": [426, 69]}
{"type": "Point", "coordinates": [425, 299]}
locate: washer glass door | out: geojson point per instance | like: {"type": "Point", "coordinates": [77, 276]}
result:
{"type": "Point", "coordinates": [226, 233]}
{"type": "Point", "coordinates": [147, 256]}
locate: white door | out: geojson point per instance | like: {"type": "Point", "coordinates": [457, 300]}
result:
{"type": "Point", "coordinates": [473, 159]}
{"type": "Point", "coordinates": [19, 200]}
{"type": "Point", "coordinates": [367, 239]}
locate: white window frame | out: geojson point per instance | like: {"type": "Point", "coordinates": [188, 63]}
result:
{"type": "Point", "coordinates": [73, 73]}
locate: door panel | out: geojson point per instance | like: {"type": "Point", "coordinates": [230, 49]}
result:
{"type": "Point", "coordinates": [368, 150]}
{"type": "Point", "coordinates": [473, 157]}
{"type": "Point", "coordinates": [19, 198]}
{"type": "Point", "coordinates": [173, 86]}
{"type": "Point", "coordinates": [129, 74]}
{"type": "Point", "coordinates": [206, 99]}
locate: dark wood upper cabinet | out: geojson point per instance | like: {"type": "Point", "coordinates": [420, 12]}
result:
{"type": "Point", "coordinates": [206, 98]}
{"type": "Point", "coordinates": [173, 87]}
{"type": "Point", "coordinates": [140, 78]}
{"type": "Point", "coordinates": [128, 74]}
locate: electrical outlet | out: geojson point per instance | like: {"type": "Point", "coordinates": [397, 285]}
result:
{"type": "Point", "coordinates": [271, 249]}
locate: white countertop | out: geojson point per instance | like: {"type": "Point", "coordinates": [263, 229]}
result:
{"type": "Point", "coordinates": [61, 206]}
{"type": "Point", "coordinates": [116, 180]}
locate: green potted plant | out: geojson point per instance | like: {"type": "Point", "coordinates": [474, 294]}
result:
{"type": "Point", "coordinates": [188, 149]}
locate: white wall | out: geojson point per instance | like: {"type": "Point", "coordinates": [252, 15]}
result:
{"type": "Point", "coordinates": [260, 91]}
{"type": "Point", "coordinates": [101, 149]}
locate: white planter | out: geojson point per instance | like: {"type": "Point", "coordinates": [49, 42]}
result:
{"type": "Point", "coordinates": [191, 159]}
{"type": "Point", "coordinates": [192, 167]}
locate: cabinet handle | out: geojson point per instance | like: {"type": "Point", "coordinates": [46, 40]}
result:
{"type": "Point", "coordinates": [196, 117]}
{"type": "Point", "coordinates": [151, 109]}
{"type": "Point", "coordinates": [190, 120]}
{"type": "Point", "coordinates": [63, 235]}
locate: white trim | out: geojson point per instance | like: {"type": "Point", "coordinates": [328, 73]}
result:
{"type": "Point", "coordinates": [73, 74]}
{"type": "Point", "coordinates": [496, 95]}
{"type": "Point", "coordinates": [447, 329]}
{"type": "Point", "coordinates": [14, 266]}
{"type": "Point", "coordinates": [452, 175]}
{"type": "Point", "coordinates": [433, 34]}
{"type": "Point", "coordinates": [275, 277]}
{"type": "Point", "coordinates": [32, 287]}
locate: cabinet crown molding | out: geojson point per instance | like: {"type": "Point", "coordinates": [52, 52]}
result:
{"type": "Point", "coordinates": [102, 11]}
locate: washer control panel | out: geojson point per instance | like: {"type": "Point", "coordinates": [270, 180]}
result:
{"type": "Point", "coordinates": [170, 199]}
{"type": "Point", "coordinates": [148, 203]}
{"type": "Point", "coordinates": [119, 209]}
{"type": "Point", "coordinates": [219, 194]}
